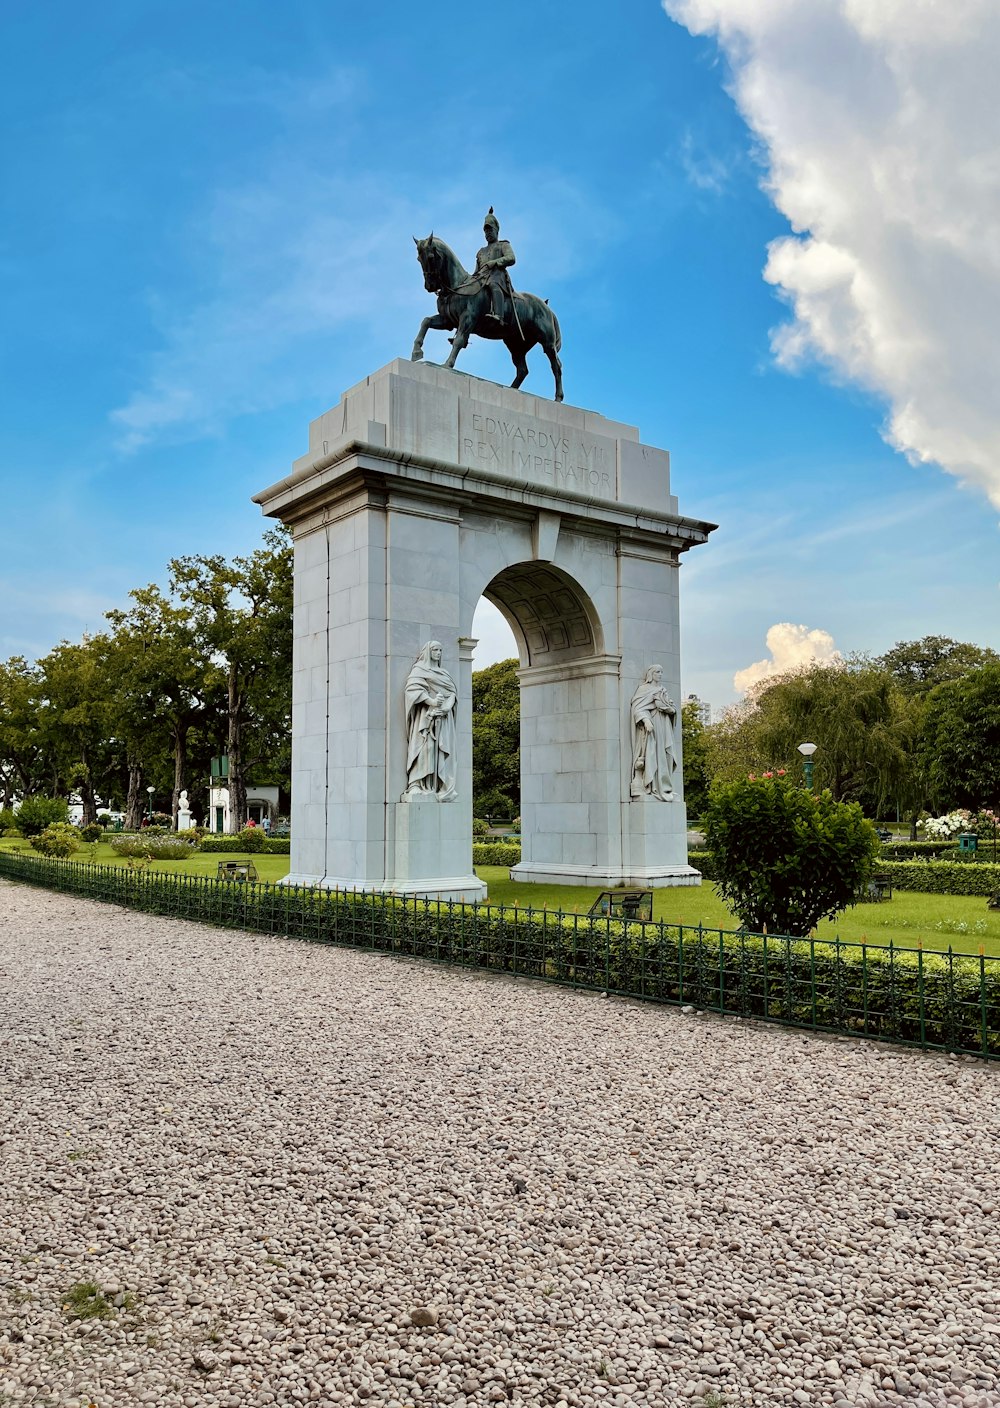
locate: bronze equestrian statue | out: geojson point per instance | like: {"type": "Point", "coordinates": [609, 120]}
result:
{"type": "Point", "coordinates": [485, 303]}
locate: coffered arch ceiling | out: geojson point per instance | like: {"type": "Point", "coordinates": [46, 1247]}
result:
{"type": "Point", "coordinates": [553, 619]}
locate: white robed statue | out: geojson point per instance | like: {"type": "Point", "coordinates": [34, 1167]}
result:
{"type": "Point", "coordinates": [431, 702]}
{"type": "Point", "coordinates": [654, 759]}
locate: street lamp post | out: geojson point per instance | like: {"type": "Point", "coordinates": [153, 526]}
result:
{"type": "Point", "coordinates": [807, 750]}
{"type": "Point", "coordinates": [150, 791]}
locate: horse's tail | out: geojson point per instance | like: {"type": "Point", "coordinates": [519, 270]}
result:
{"type": "Point", "coordinates": [557, 332]}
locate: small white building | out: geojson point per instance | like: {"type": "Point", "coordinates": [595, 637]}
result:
{"type": "Point", "coordinates": [261, 802]}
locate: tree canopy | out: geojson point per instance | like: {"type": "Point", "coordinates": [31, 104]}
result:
{"type": "Point", "coordinates": [962, 740]}
{"type": "Point", "coordinates": [496, 740]}
{"type": "Point", "coordinates": [182, 673]}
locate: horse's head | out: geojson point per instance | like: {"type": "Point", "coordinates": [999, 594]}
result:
{"type": "Point", "coordinates": [429, 256]}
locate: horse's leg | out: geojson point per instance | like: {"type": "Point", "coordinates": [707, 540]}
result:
{"type": "Point", "coordinates": [517, 352]}
{"type": "Point", "coordinates": [460, 340]}
{"type": "Point", "coordinates": [556, 366]}
{"type": "Point", "coordinates": [438, 323]}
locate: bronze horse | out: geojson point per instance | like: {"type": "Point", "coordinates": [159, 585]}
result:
{"type": "Point", "coordinates": [463, 305]}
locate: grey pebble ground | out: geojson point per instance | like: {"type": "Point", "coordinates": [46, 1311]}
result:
{"type": "Point", "coordinates": [270, 1155]}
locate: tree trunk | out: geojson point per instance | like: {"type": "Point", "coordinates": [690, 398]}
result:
{"type": "Point", "coordinates": [237, 779]}
{"type": "Point", "coordinates": [133, 806]}
{"type": "Point", "coordinates": [913, 824]}
{"type": "Point", "coordinates": [89, 804]}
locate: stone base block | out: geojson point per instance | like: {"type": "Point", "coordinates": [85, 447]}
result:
{"type": "Point", "coordinates": [467, 888]}
{"type": "Point", "coordinates": [605, 877]}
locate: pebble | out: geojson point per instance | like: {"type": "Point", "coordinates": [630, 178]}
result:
{"type": "Point", "coordinates": [309, 1175]}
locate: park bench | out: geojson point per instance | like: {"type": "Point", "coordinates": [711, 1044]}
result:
{"type": "Point", "coordinates": [242, 871]}
{"type": "Point", "coordinates": [878, 888]}
{"type": "Point", "coordinates": [623, 904]}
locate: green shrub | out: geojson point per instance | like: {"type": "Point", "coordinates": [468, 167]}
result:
{"type": "Point", "coordinates": [105, 819]}
{"type": "Point", "coordinates": [943, 877]}
{"type": "Point", "coordinates": [702, 861]}
{"type": "Point", "coordinates": [236, 845]}
{"type": "Point", "coordinates": [479, 826]}
{"type": "Point", "coordinates": [156, 847]}
{"type": "Point", "coordinates": [8, 822]}
{"type": "Point", "coordinates": [496, 852]}
{"type": "Point", "coordinates": [36, 813]}
{"type": "Point", "coordinates": [784, 858]}
{"type": "Point", "coordinates": [59, 839]}
{"type": "Point", "coordinates": [91, 832]}
{"type": "Point", "coordinates": [907, 850]}
{"type": "Point", "coordinates": [494, 802]}
{"type": "Point", "coordinates": [252, 838]}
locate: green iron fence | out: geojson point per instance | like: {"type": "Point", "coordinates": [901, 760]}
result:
{"type": "Point", "coordinates": [941, 1001]}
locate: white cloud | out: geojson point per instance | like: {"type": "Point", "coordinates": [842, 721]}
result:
{"type": "Point", "coordinates": [880, 127]}
{"type": "Point", "coordinates": [706, 169]}
{"type": "Point", "coordinates": [792, 648]}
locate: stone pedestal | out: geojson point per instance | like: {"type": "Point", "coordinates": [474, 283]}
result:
{"type": "Point", "coordinates": [432, 850]}
{"type": "Point", "coordinates": [423, 491]}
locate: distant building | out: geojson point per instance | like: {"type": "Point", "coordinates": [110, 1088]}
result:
{"type": "Point", "coordinates": [701, 708]}
{"type": "Point", "coordinates": [261, 802]}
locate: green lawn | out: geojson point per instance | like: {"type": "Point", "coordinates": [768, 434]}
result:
{"type": "Point", "coordinates": [268, 867]}
{"type": "Point", "coordinates": [907, 919]}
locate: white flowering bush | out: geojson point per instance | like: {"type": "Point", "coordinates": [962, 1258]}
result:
{"type": "Point", "coordinates": [942, 828]}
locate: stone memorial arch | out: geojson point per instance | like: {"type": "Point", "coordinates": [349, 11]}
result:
{"type": "Point", "coordinates": [422, 491]}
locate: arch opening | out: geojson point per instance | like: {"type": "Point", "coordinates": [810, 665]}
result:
{"type": "Point", "coordinates": [552, 619]}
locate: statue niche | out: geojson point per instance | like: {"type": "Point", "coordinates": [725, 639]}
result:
{"type": "Point", "coordinates": [431, 702]}
{"type": "Point", "coordinates": [654, 759]}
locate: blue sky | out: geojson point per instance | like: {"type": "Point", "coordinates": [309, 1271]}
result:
{"type": "Point", "coordinates": [207, 220]}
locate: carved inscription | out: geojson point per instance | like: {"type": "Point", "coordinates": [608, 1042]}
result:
{"type": "Point", "coordinates": [538, 451]}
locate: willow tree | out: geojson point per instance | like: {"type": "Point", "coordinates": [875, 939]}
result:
{"type": "Point", "coordinates": [855, 714]}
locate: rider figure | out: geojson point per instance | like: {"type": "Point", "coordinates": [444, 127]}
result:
{"type": "Point", "coordinates": [492, 263]}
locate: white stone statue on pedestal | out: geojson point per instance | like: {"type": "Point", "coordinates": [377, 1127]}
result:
{"type": "Point", "coordinates": [183, 813]}
{"type": "Point", "coordinates": [431, 702]}
{"type": "Point", "coordinates": [653, 756]}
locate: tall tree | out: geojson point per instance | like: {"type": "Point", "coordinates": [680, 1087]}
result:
{"type": "Point", "coordinates": [241, 615]}
{"type": "Point", "coordinates": [919, 665]}
{"type": "Point", "coordinates": [696, 766]}
{"type": "Point", "coordinates": [496, 737]}
{"type": "Point", "coordinates": [962, 739]}
{"type": "Point", "coordinates": [21, 758]}
{"type": "Point", "coordinates": [164, 684]}
{"type": "Point", "coordinates": [73, 719]}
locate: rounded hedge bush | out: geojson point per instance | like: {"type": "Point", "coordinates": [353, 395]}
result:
{"type": "Point", "coordinates": [783, 857]}
{"type": "Point", "coordinates": [60, 840]}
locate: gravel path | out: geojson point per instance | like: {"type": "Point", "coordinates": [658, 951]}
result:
{"type": "Point", "coordinates": [268, 1155]}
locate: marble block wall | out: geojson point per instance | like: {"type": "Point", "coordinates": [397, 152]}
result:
{"type": "Point", "coordinates": [422, 491]}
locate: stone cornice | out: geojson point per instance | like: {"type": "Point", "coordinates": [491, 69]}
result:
{"type": "Point", "coordinates": [367, 472]}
